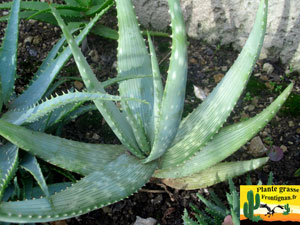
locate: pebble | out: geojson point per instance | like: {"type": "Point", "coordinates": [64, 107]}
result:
{"type": "Point", "coordinates": [37, 40]}
{"type": "Point", "coordinates": [269, 86]}
{"type": "Point", "coordinates": [28, 39]}
{"type": "Point", "coordinates": [96, 136]}
{"type": "Point", "coordinates": [256, 147]}
{"type": "Point", "coordinates": [193, 61]}
{"type": "Point", "coordinates": [291, 124]}
{"type": "Point", "coordinates": [94, 56]}
{"type": "Point", "coordinates": [268, 68]}
{"type": "Point", "coordinates": [264, 78]}
{"type": "Point", "coordinates": [251, 108]}
{"type": "Point", "coordinates": [148, 221]}
{"type": "Point", "coordinates": [284, 148]}
{"type": "Point", "coordinates": [218, 77]}
{"type": "Point", "coordinates": [224, 68]}
{"type": "Point", "coordinates": [78, 85]}
{"type": "Point", "coordinates": [290, 142]}
{"type": "Point", "coordinates": [298, 131]}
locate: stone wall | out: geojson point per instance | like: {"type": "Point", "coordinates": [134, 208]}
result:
{"type": "Point", "coordinates": [230, 21]}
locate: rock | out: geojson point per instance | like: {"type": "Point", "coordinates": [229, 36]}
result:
{"type": "Point", "coordinates": [218, 77]}
{"type": "Point", "coordinates": [291, 123]}
{"type": "Point", "coordinates": [250, 108]}
{"type": "Point", "coordinates": [78, 85]}
{"type": "Point", "coordinates": [96, 136]}
{"type": "Point", "coordinates": [199, 93]}
{"type": "Point", "coordinates": [284, 148]}
{"type": "Point", "coordinates": [94, 56]}
{"type": "Point", "coordinates": [256, 147]}
{"type": "Point", "coordinates": [264, 78]}
{"type": "Point", "coordinates": [298, 131]}
{"type": "Point", "coordinates": [229, 22]}
{"type": "Point", "coordinates": [28, 40]}
{"type": "Point", "coordinates": [148, 221]}
{"type": "Point", "coordinates": [269, 86]}
{"type": "Point", "coordinates": [268, 68]}
{"type": "Point", "coordinates": [36, 40]}
{"type": "Point", "coordinates": [224, 68]}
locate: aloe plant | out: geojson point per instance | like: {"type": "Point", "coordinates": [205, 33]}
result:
{"type": "Point", "coordinates": [34, 107]}
{"type": "Point", "coordinates": [155, 141]}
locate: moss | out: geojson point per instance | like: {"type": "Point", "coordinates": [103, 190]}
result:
{"type": "Point", "coordinates": [255, 86]}
{"type": "Point", "coordinates": [292, 105]}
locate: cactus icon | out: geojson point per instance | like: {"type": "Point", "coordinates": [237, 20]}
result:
{"type": "Point", "coordinates": [287, 209]}
{"type": "Point", "coordinates": [250, 206]}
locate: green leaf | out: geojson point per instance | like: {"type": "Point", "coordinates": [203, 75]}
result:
{"type": "Point", "coordinates": [203, 123]}
{"type": "Point", "coordinates": [174, 93]}
{"type": "Point", "coordinates": [36, 112]}
{"type": "Point", "coordinates": [110, 112]}
{"type": "Point", "coordinates": [106, 32]}
{"type": "Point", "coordinates": [119, 179]}
{"type": "Point", "coordinates": [8, 54]}
{"type": "Point", "coordinates": [215, 174]}
{"type": "Point", "coordinates": [97, 8]}
{"type": "Point", "coordinates": [218, 210]}
{"type": "Point", "coordinates": [158, 90]}
{"type": "Point", "coordinates": [134, 59]}
{"type": "Point", "coordinates": [30, 95]}
{"type": "Point", "coordinates": [187, 220]}
{"type": "Point", "coordinates": [8, 165]}
{"type": "Point", "coordinates": [226, 142]}
{"type": "Point", "coordinates": [47, 72]}
{"type": "Point", "coordinates": [30, 164]}
{"type": "Point", "coordinates": [79, 157]}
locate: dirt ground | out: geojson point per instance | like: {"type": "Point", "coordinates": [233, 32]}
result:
{"type": "Point", "coordinates": [207, 64]}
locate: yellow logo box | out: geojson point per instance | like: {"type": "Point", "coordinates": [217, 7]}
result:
{"type": "Point", "coordinates": [269, 203]}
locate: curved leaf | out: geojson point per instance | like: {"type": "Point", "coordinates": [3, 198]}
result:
{"type": "Point", "coordinates": [226, 142]}
{"type": "Point", "coordinates": [38, 111]}
{"type": "Point", "coordinates": [215, 174]}
{"type": "Point", "coordinates": [8, 53]}
{"type": "Point", "coordinates": [119, 179]}
{"type": "Point", "coordinates": [79, 157]}
{"type": "Point", "coordinates": [174, 93]}
{"type": "Point", "coordinates": [202, 124]}
{"type": "Point", "coordinates": [8, 165]}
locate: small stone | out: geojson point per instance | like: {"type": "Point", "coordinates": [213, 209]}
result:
{"type": "Point", "coordinates": [298, 131]}
{"type": "Point", "coordinates": [264, 78]}
{"type": "Point", "coordinates": [284, 148]}
{"type": "Point", "coordinates": [257, 74]}
{"type": "Point", "coordinates": [218, 77]}
{"type": "Point", "coordinates": [268, 68]}
{"type": "Point", "coordinates": [28, 39]}
{"type": "Point", "coordinates": [251, 108]}
{"type": "Point", "coordinates": [78, 85]}
{"type": "Point", "coordinates": [60, 222]}
{"type": "Point", "coordinates": [256, 147]}
{"type": "Point", "coordinates": [106, 210]}
{"type": "Point", "coordinates": [291, 124]}
{"type": "Point", "coordinates": [269, 86]}
{"type": "Point", "coordinates": [148, 221]}
{"type": "Point", "coordinates": [224, 68]}
{"type": "Point", "coordinates": [36, 40]}
{"type": "Point", "coordinates": [56, 29]}
{"type": "Point", "coordinates": [193, 61]}
{"type": "Point", "coordinates": [94, 56]}
{"type": "Point", "coordinates": [290, 142]}
{"type": "Point", "coordinates": [96, 136]}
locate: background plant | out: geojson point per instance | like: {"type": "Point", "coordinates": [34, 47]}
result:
{"type": "Point", "coordinates": [155, 142]}
{"type": "Point", "coordinates": [216, 211]}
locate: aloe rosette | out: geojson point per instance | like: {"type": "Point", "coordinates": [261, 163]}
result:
{"type": "Point", "coordinates": [155, 141]}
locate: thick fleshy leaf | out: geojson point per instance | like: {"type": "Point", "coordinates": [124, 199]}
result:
{"type": "Point", "coordinates": [33, 114]}
{"type": "Point", "coordinates": [30, 164]}
{"type": "Point", "coordinates": [226, 142]}
{"type": "Point", "coordinates": [174, 93]}
{"type": "Point", "coordinates": [134, 59]}
{"type": "Point", "coordinates": [30, 96]}
{"type": "Point", "coordinates": [37, 89]}
{"type": "Point", "coordinates": [215, 174]}
{"type": "Point", "coordinates": [75, 156]}
{"type": "Point", "coordinates": [109, 110]}
{"type": "Point", "coordinates": [158, 90]}
{"type": "Point", "coordinates": [8, 165]}
{"type": "Point", "coordinates": [119, 179]}
{"type": "Point", "coordinates": [8, 54]}
{"type": "Point", "coordinates": [203, 123]}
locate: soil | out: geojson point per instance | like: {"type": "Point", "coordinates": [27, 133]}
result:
{"type": "Point", "coordinates": [207, 64]}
